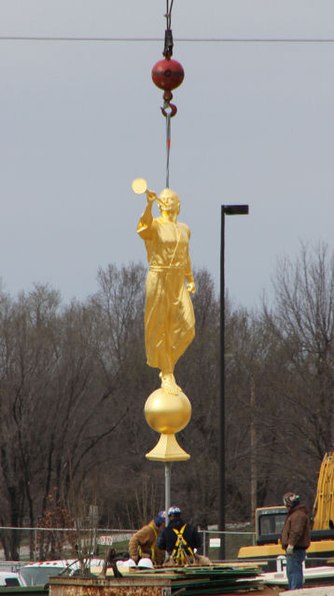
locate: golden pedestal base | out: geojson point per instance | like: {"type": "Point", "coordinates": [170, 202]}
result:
{"type": "Point", "coordinates": [167, 449]}
{"type": "Point", "coordinates": [167, 413]}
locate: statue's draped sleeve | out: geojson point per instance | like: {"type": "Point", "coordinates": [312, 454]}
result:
{"type": "Point", "coordinates": [145, 224]}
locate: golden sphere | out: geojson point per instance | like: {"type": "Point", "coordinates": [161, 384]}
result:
{"type": "Point", "coordinates": [167, 413]}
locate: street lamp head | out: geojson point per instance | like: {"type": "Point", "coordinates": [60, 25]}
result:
{"type": "Point", "coordinates": [236, 209]}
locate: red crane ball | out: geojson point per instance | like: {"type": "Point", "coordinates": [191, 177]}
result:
{"type": "Point", "coordinates": [167, 74]}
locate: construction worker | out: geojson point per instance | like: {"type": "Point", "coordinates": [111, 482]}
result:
{"type": "Point", "coordinates": [143, 544]}
{"type": "Point", "coordinates": [295, 539]}
{"type": "Point", "coordinates": [181, 541]}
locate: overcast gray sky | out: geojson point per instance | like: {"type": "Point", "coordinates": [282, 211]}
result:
{"type": "Point", "coordinates": [80, 119]}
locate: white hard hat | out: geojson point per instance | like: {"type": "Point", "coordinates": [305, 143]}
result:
{"type": "Point", "coordinates": [128, 563]}
{"type": "Point", "coordinates": [145, 563]}
{"type": "Point", "coordinates": [174, 510]}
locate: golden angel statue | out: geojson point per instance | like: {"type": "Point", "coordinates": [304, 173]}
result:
{"type": "Point", "coordinates": [169, 313]}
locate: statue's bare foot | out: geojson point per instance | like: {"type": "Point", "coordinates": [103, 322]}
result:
{"type": "Point", "coordinates": [169, 384]}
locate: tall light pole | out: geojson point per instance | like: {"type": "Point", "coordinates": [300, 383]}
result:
{"type": "Point", "coordinates": [225, 210]}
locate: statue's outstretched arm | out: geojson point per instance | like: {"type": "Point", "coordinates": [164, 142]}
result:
{"type": "Point", "coordinates": [146, 218]}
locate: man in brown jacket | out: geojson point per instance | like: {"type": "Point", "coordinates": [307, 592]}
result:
{"type": "Point", "coordinates": [143, 544]}
{"type": "Point", "coordinates": [295, 539]}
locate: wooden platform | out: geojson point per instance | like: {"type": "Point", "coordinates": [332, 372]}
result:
{"type": "Point", "coordinates": [188, 581]}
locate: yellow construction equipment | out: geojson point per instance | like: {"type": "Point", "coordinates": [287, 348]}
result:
{"type": "Point", "coordinates": [269, 522]}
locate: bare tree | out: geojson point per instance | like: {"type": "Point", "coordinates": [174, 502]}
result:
{"type": "Point", "coordinates": [302, 321]}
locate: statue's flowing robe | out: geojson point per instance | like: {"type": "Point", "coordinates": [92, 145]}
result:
{"type": "Point", "coordinates": [169, 314]}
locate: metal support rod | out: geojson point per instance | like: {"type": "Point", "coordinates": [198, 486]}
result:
{"type": "Point", "coordinates": [221, 522]}
{"type": "Point", "coordinates": [168, 470]}
{"type": "Point", "coordinates": [253, 466]}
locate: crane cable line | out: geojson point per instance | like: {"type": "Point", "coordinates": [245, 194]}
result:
{"type": "Point", "coordinates": [168, 14]}
{"type": "Point", "coordinates": [259, 40]}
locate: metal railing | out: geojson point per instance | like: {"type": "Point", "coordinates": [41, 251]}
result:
{"type": "Point", "coordinates": [101, 538]}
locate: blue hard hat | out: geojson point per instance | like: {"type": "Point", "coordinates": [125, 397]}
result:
{"type": "Point", "coordinates": [160, 518]}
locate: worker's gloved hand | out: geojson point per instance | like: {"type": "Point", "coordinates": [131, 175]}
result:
{"type": "Point", "coordinates": [289, 549]}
